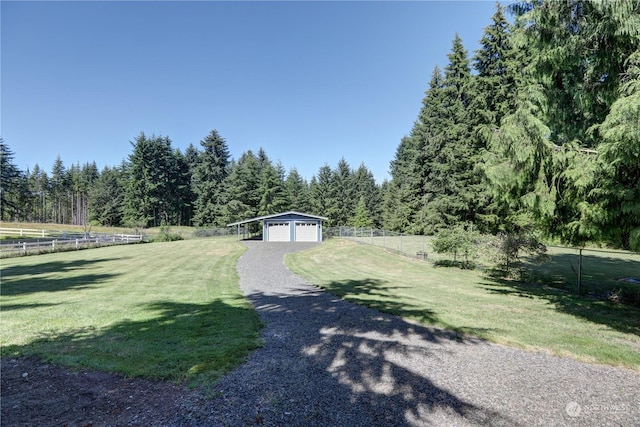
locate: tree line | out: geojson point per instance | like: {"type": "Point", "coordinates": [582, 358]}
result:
{"type": "Point", "coordinates": [536, 133]}
{"type": "Point", "coordinates": [204, 187]}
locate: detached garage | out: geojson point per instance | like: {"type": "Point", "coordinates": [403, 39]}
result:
{"type": "Point", "coordinates": [287, 227]}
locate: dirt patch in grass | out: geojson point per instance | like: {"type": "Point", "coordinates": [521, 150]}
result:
{"type": "Point", "coordinates": [41, 394]}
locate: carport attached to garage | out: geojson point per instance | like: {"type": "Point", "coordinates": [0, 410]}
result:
{"type": "Point", "coordinates": [287, 227]}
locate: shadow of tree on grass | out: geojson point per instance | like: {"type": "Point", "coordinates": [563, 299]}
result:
{"type": "Point", "coordinates": [27, 279]}
{"type": "Point", "coordinates": [177, 342]}
{"type": "Point", "coordinates": [620, 317]}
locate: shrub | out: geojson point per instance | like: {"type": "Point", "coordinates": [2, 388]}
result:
{"type": "Point", "coordinates": [166, 235]}
{"type": "Point", "coordinates": [507, 249]}
{"type": "Point", "coordinates": [460, 240]}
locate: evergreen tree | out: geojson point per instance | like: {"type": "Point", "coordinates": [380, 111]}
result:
{"type": "Point", "coordinates": [242, 193]}
{"type": "Point", "coordinates": [38, 188]}
{"type": "Point", "coordinates": [10, 184]}
{"type": "Point", "coordinates": [60, 192]}
{"type": "Point", "coordinates": [106, 197]}
{"type": "Point", "coordinates": [181, 190]}
{"type": "Point", "coordinates": [542, 160]}
{"type": "Point", "coordinates": [297, 192]}
{"type": "Point", "coordinates": [429, 139]}
{"type": "Point", "coordinates": [365, 188]}
{"type": "Point", "coordinates": [496, 73]}
{"type": "Point", "coordinates": [362, 215]}
{"type": "Point", "coordinates": [150, 196]}
{"type": "Point", "coordinates": [498, 65]}
{"type": "Point", "coordinates": [319, 190]}
{"type": "Point", "coordinates": [613, 204]}
{"type": "Point", "coordinates": [401, 195]}
{"type": "Point", "coordinates": [209, 174]}
{"type": "Point", "coordinates": [449, 152]}
{"type": "Point", "coordinates": [579, 49]}
{"type": "Point", "coordinates": [341, 194]}
{"type": "Point", "coordinates": [191, 156]}
{"type": "Point", "coordinates": [273, 196]}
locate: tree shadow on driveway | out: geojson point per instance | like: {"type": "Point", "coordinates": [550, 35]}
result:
{"type": "Point", "coordinates": [330, 362]}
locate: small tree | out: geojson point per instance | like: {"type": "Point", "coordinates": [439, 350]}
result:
{"type": "Point", "coordinates": [460, 239]}
{"type": "Point", "coordinates": [509, 247]}
{"type": "Point", "coordinates": [362, 217]}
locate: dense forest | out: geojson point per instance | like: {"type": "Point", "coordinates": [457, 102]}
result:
{"type": "Point", "coordinates": [538, 131]}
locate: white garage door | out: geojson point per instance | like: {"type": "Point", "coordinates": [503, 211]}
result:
{"type": "Point", "coordinates": [278, 232]}
{"type": "Point", "coordinates": [306, 232]}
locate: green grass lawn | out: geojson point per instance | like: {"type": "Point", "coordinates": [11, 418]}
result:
{"type": "Point", "coordinates": [162, 311]}
{"type": "Point", "coordinates": [602, 270]}
{"type": "Point", "coordinates": [533, 317]}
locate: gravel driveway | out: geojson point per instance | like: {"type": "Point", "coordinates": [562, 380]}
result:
{"type": "Point", "coordinates": [327, 362]}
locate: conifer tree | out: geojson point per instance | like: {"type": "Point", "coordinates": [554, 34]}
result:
{"type": "Point", "coordinates": [362, 215]}
{"type": "Point", "coordinates": [242, 194]}
{"type": "Point", "coordinates": [341, 194]}
{"type": "Point", "coordinates": [273, 197]}
{"type": "Point", "coordinates": [366, 189]}
{"type": "Point", "coordinates": [210, 171]}
{"type": "Point", "coordinates": [106, 197]}
{"type": "Point", "coordinates": [399, 195]}
{"type": "Point", "coordinates": [450, 174]}
{"type": "Point", "coordinates": [149, 200]}
{"type": "Point", "coordinates": [298, 192]}
{"type": "Point", "coordinates": [10, 184]}
{"type": "Point", "coordinates": [319, 191]}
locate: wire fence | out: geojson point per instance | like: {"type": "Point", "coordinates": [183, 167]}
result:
{"type": "Point", "coordinates": [399, 243]}
{"type": "Point", "coordinates": [603, 273]}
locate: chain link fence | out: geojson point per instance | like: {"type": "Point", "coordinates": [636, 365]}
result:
{"type": "Point", "coordinates": [606, 273]}
{"type": "Point", "coordinates": [399, 243]}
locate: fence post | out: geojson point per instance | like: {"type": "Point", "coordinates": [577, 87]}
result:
{"type": "Point", "coordinates": [580, 271]}
{"type": "Point", "coordinates": [400, 243]}
{"type": "Point", "coordinates": [24, 248]}
{"type": "Point", "coordinates": [371, 230]}
{"type": "Point", "coordinates": [77, 244]}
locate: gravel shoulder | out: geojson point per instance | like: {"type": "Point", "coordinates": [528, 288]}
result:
{"type": "Point", "coordinates": [327, 362]}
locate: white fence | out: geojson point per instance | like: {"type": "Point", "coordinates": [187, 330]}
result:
{"type": "Point", "coordinates": [29, 232]}
{"type": "Point", "coordinates": [46, 241]}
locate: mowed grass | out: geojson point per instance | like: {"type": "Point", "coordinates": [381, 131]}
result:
{"type": "Point", "coordinates": [532, 317]}
{"type": "Point", "coordinates": [602, 270]}
{"type": "Point", "coordinates": [170, 311]}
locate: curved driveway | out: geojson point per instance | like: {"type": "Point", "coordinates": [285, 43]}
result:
{"type": "Point", "coordinates": [327, 362]}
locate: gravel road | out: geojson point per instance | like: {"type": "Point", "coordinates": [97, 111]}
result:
{"type": "Point", "coordinates": [327, 362]}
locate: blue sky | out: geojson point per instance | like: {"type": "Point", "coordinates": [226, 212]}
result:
{"type": "Point", "coordinates": [310, 82]}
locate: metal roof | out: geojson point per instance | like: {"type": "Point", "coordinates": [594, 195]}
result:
{"type": "Point", "coordinates": [261, 218]}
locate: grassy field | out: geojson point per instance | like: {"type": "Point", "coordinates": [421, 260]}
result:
{"type": "Point", "coordinates": [532, 317]}
{"type": "Point", "coordinates": [163, 310]}
{"type": "Point", "coordinates": [602, 270]}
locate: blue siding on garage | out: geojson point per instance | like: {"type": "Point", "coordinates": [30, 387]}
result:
{"type": "Point", "coordinates": [291, 218]}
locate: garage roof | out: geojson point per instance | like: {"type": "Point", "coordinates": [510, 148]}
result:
{"type": "Point", "coordinates": [261, 218]}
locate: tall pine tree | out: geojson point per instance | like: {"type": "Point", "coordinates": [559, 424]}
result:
{"type": "Point", "coordinates": [209, 174]}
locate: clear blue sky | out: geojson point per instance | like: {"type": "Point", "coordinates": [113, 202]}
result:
{"type": "Point", "coordinates": [310, 82]}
